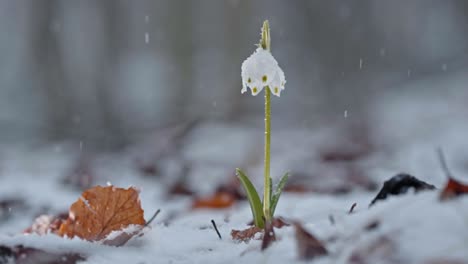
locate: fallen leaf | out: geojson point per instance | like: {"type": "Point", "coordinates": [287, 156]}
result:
{"type": "Point", "coordinates": [296, 188]}
{"type": "Point", "coordinates": [380, 250]}
{"type": "Point", "coordinates": [400, 184]}
{"type": "Point", "coordinates": [180, 188]}
{"type": "Point", "coordinates": [28, 255]}
{"type": "Point", "coordinates": [219, 200]}
{"type": "Point", "coordinates": [246, 234]}
{"type": "Point", "coordinates": [452, 189]}
{"type": "Point", "coordinates": [45, 224]}
{"type": "Point", "coordinates": [277, 222]}
{"type": "Point", "coordinates": [268, 235]}
{"type": "Point", "coordinates": [308, 246]}
{"type": "Point", "coordinates": [102, 210]}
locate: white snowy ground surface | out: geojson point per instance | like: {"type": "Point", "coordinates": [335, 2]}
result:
{"type": "Point", "coordinates": [413, 228]}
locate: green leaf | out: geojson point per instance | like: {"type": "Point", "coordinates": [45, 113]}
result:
{"type": "Point", "coordinates": [254, 199]}
{"type": "Point", "coordinates": [277, 194]}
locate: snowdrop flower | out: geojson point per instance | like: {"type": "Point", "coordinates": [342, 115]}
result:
{"type": "Point", "coordinates": [262, 70]}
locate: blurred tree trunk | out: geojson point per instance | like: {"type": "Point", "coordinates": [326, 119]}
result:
{"type": "Point", "coordinates": [22, 99]}
{"type": "Point", "coordinates": [82, 39]}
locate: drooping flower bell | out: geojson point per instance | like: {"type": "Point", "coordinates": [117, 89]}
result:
{"type": "Point", "coordinates": [262, 70]}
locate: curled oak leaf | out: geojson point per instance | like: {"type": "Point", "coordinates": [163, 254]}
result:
{"type": "Point", "coordinates": [219, 200]}
{"type": "Point", "coordinates": [102, 210]}
{"type": "Point", "coordinates": [452, 189]}
{"type": "Point", "coordinates": [246, 234]}
{"type": "Point", "coordinates": [400, 184]}
{"type": "Point", "coordinates": [308, 246]}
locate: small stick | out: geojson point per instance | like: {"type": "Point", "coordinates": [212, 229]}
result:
{"type": "Point", "coordinates": [152, 218]}
{"type": "Point", "coordinates": [216, 228]}
{"type": "Point", "coordinates": [443, 163]}
{"type": "Point", "coordinates": [352, 208]}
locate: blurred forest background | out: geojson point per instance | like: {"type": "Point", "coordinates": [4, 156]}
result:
{"type": "Point", "coordinates": [108, 72]}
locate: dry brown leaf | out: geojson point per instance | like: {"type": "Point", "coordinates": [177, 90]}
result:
{"type": "Point", "coordinates": [308, 246]}
{"type": "Point", "coordinates": [180, 188]}
{"type": "Point", "coordinates": [279, 222]}
{"type": "Point", "coordinates": [219, 200]}
{"type": "Point", "coordinates": [452, 189]}
{"type": "Point", "coordinates": [102, 210]}
{"type": "Point", "coordinates": [45, 224]}
{"type": "Point", "coordinates": [249, 233]}
{"type": "Point", "coordinates": [246, 234]}
{"type": "Point", "coordinates": [379, 250]}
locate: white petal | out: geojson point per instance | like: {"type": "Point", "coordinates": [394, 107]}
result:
{"type": "Point", "coordinates": [244, 89]}
{"type": "Point", "coordinates": [256, 90]}
{"type": "Point", "coordinates": [282, 79]}
{"type": "Point", "coordinates": [276, 84]}
{"type": "Point", "coordinates": [261, 63]}
{"type": "Point", "coordinates": [276, 90]}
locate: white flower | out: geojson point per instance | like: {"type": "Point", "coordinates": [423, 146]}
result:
{"type": "Point", "coordinates": [262, 70]}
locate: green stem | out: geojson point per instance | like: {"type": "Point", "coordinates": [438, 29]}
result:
{"type": "Point", "coordinates": [265, 44]}
{"type": "Point", "coordinates": [267, 191]}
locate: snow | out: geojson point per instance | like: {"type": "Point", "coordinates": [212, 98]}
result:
{"type": "Point", "coordinates": [421, 226]}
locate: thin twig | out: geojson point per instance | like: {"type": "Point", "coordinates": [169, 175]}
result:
{"type": "Point", "coordinates": [216, 228]}
{"type": "Point", "coordinates": [443, 163]}
{"type": "Point", "coordinates": [351, 210]}
{"type": "Point", "coordinates": [152, 218]}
